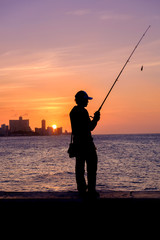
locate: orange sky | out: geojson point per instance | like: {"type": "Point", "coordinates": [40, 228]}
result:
{"type": "Point", "coordinates": [50, 50]}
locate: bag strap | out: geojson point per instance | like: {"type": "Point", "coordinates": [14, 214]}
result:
{"type": "Point", "coordinates": [71, 137]}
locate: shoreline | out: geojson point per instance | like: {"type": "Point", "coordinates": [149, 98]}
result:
{"type": "Point", "coordinates": [73, 196]}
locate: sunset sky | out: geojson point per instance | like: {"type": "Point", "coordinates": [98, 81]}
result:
{"type": "Point", "coordinates": [50, 49]}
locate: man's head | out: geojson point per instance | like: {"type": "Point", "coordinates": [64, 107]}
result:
{"type": "Point", "coordinates": [82, 98]}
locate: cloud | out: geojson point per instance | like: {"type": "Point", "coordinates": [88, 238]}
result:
{"type": "Point", "coordinates": [12, 87]}
{"type": "Point", "coordinates": [80, 12]}
{"type": "Point", "coordinates": [49, 101]}
{"type": "Point", "coordinates": [47, 62]}
{"type": "Point", "coordinates": [115, 16]}
{"type": "Point", "coordinates": [45, 108]}
{"type": "Point", "coordinates": [152, 64]}
{"type": "Point", "coordinates": [25, 104]}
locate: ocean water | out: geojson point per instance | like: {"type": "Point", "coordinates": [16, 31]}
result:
{"type": "Point", "coordinates": [125, 162]}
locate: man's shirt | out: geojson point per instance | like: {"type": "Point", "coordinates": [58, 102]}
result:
{"type": "Point", "coordinates": [81, 125]}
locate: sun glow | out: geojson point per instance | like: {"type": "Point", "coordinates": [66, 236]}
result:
{"type": "Point", "coordinates": [54, 126]}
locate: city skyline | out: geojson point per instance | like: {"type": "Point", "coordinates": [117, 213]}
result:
{"type": "Point", "coordinates": [52, 49]}
{"type": "Point", "coordinates": [22, 126]}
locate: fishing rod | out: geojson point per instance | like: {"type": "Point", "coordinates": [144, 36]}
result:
{"type": "Point", "coordinates": [123, 68]}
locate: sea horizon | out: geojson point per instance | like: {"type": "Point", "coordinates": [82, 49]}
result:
{"type": "Point", "coordinates": [69, 133]}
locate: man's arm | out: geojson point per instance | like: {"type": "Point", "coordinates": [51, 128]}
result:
{"type": "Point", "coordinates": [96, 118]}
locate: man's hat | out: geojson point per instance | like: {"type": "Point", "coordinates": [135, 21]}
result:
{"type": "Point", "coordinates": [82, 95]}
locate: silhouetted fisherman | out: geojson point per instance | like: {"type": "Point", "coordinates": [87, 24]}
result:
{"type": "Point", "coordinates": [85, 148]}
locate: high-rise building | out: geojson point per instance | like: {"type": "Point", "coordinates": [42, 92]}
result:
{"type": "Point", "coordinates": [43, 127]}
{"type": "Point", "coordinates": [19, 125]}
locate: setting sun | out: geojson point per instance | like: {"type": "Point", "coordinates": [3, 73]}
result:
{"type": "Point", "coordinates": [54, 126]}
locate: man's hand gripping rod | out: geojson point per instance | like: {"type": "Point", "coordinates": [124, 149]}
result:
{"type": "Point", "coordinates": [123, 69]}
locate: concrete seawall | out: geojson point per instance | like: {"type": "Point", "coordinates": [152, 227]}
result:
{"type": "Point", "coordinates": [68, 205]}
{"type": "Point", "coordinates": [74, 197]}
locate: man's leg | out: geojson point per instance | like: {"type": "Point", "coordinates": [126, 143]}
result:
{"type": "Point", "coordinates": [92, 169]}
{"type": "Point", "coordinates": [80, 170]}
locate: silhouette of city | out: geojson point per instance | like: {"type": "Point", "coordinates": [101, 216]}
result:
{"type": "Point", "coordinates": [21, 127]}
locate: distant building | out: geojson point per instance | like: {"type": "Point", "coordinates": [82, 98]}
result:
{"type": "Point", "coordinates": [4, 130]}
{"type": "Point", "coordinates": [38, 131]}
{"type": "Point", "coordinates": [19, 125]}
{"type": "Point", "coordinates": [43, 127]}
{"type": "Point", "coordinates": [58, 131]}
{"type": "Point", "coordinates": [66, 132]}
{"type": "Point", "coordinates": [49, 131]}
